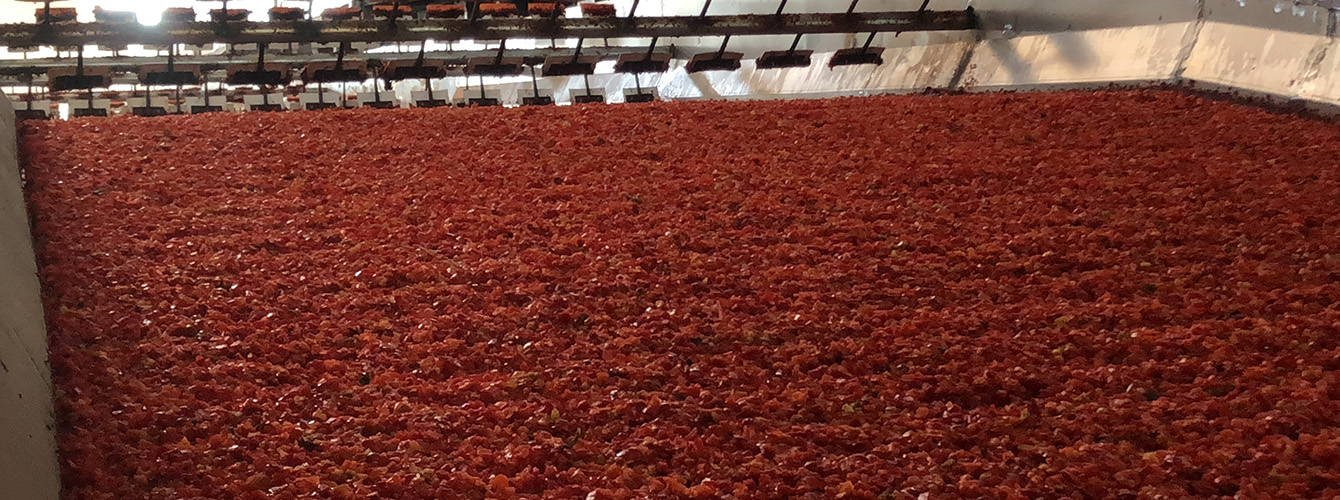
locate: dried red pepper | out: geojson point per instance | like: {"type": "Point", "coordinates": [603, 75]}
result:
{"type": "Point", "coordinates": [1102, 295]}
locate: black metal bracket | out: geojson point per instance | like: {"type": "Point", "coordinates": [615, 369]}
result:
{"type": "Point", "coordinates": [650, 62]}
{"type": "Point", "coordinates": [590, 97]}
{"type": "Point", "coordinates": [856, 56]}
{"type": "Point", "coordinates": [576, 65]}
{"type": "Point", "coordinates": [536, 99]}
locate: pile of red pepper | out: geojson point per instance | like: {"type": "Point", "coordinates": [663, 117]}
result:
{"type": "Point", "coordinates": [1074, 295]}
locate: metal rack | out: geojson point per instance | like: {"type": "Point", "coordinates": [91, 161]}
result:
{"type": "Point", "coordinates": [29, 35]}
{"type": "Point", "coordinates": [401, 26]}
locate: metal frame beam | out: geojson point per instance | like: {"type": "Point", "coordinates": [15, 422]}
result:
{"type": "Point", "coordinates": [197, 33]}
{"type": "Point", "coordinates": [20, 67]}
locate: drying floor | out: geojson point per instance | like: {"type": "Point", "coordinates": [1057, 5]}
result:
{"type": "Point", "coordinates": [1043, 296]}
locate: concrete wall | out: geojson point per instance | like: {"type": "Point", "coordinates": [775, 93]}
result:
{"type": "Point", "coordinates": [28, 467]}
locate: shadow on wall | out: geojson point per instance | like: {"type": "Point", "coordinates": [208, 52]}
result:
{"type": "Point", "coordinates": [1010, 61]}
{"type": "Point", "coordinates": [1079, 55]}
{"type": "Point", "coordinates": [1076, 53]}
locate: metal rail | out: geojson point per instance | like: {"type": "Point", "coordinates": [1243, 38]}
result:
{"type": "Point", "coordinates": [30, 35]}
{"type": "Point", "coordinates": [20, 67]}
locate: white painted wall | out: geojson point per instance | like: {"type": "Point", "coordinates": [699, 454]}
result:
{"type": "Point", "coordinates": [1266, 47]}
{"type": "Point", "coordinates": [1130, 54]}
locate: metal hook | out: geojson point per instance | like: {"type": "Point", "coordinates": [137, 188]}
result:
{"type": "Point", "coordinates": [376, 89]}
{"type": "Point", "coordinates": [534, 81]}
{"type": "Point", "coordinates": [722, 50]}
{"type": "Point", "coordinates": [79, 70]}
{"type": "Point", "coordinates": [795, 42]}
{"type": "Point", "coordinates": [261, 48]}
{"type": "Point", "coordinates": [652, 48]}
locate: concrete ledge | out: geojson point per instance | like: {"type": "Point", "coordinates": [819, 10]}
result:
{"type": "Point", "coordinates": [28, 466]}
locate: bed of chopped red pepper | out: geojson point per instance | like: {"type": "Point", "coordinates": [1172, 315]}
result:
{"type": "Point", "coordinates": [1119, 295]}
{"type": "Point", "coordinates": [597, 9]}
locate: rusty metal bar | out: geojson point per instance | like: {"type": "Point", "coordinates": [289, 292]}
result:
{"type": "Point", "coordinates": [17, 68]}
